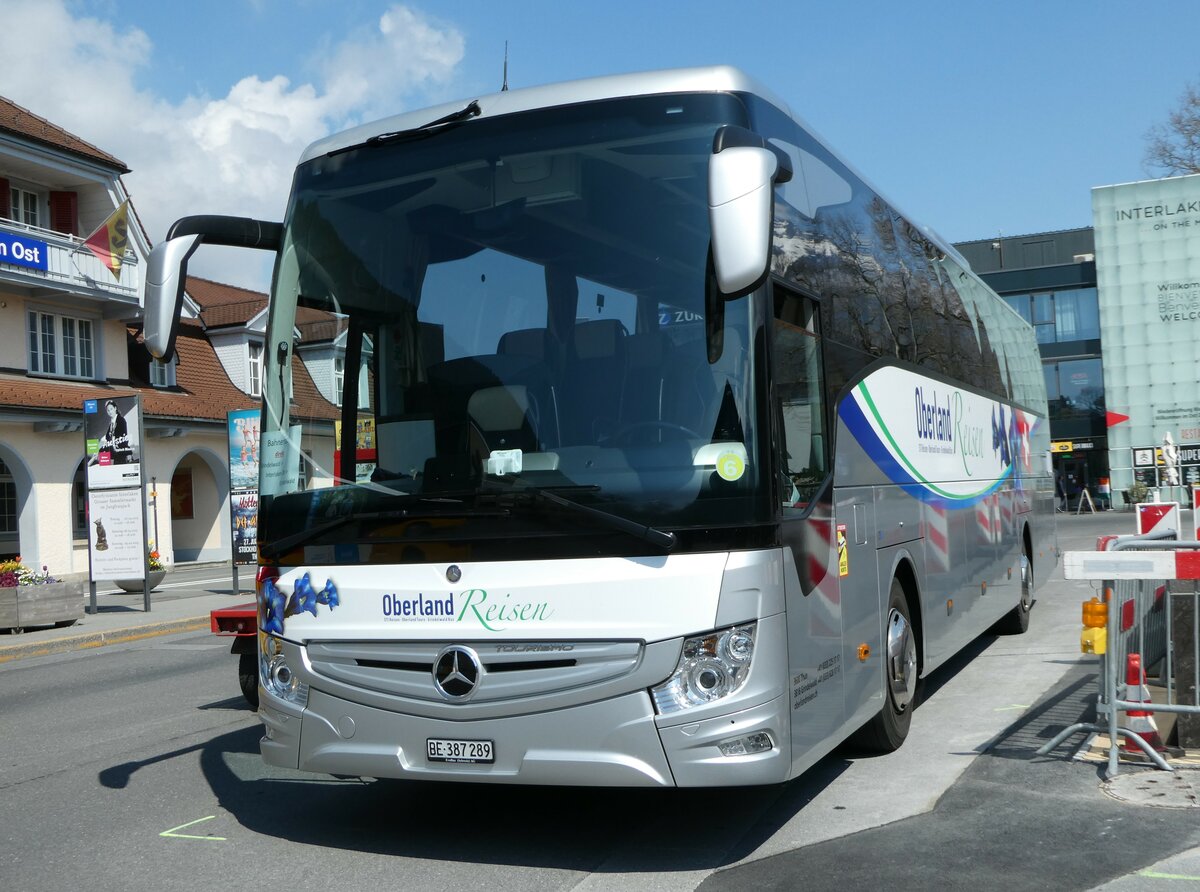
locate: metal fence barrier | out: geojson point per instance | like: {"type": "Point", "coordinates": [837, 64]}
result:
{"type": "Point", "coordinates": [1134, 572]}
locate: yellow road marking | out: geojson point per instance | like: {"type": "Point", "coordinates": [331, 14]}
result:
{"type": "Point", "coordinates": [171, 833]}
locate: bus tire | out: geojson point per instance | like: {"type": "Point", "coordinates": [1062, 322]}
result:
{"type": "Point", "coordinates": [887, 730]}
{"type": "Point", "coordinates": [1016, 621]}
{"type": "Point", "coordinates": [248, 677]}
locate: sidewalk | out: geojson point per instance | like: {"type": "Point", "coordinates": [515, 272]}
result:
{"type": "Point", "coordinates": [177, 605]}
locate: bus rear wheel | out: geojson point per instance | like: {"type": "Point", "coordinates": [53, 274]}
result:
{"type": "Point", "coordinates": [887, 730]}
{"type": "Point", "coordinates": [1016, 621]}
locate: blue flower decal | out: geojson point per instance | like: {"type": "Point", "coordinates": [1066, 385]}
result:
{"type": "Point", "coordinates": [273, 601]}
{"type": "Point", "coordinates": [304, 597]}
{"type": "Point", "coordinates": [275, 606]}
{"type": "Point", "coordinates": [329, 595]}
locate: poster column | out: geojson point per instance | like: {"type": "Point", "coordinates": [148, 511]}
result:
{"type": "Point", "coordinates": [113, 439]}
{"type": "Point", "coordinates": [243, 430]}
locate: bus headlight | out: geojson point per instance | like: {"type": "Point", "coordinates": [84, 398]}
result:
{"type": "Point", "coordinates": [276, 675]}
{"type": "Point", "coordinates": [711, 666]}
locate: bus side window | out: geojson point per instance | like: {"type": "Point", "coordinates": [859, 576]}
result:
{"type": "Point", "coordinates": [799, 385]}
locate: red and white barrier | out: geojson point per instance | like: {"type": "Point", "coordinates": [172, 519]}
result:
{"type": "Point", "coordinates": [1139, 721]}
{"type": "Point", "coordinates": [1131, 565]}
{"type": "Point", "coordinates": [1157, 517]}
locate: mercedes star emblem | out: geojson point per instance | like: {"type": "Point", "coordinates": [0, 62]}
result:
{"type": "Point", "coordinates": [457, 672]}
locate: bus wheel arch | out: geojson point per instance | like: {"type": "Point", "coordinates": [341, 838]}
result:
{"type": "Point", "coordinates": [1016, 621]}
{"type": "Point", "coordinates": [901, 653]}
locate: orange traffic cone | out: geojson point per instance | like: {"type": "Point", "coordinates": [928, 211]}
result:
{"type": "Point", "coordinates": [1140, 721]}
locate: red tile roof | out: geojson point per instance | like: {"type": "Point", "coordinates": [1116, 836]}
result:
{"type": "Point", "coordinates": [228, 305]}
{"type": "Point", "coordinates": [21, 121]}
{"type": "Point", "coordinates": [204, 392]}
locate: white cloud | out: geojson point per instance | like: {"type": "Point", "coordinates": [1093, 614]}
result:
{"type": "Point", "coordinates": [234, 154]}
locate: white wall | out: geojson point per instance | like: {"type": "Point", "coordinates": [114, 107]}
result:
{"type": "Point", "coordinates": [46, 519]}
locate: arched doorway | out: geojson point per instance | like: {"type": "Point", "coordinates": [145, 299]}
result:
{"type": "Point", "coordinates": [198, 509]}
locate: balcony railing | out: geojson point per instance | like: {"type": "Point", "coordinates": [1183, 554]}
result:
{"type": "Point", "coordinates": [58, 262]}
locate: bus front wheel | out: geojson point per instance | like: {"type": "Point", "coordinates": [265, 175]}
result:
{"type": "Point", "coordinates": [887, 730]}
{"type": "Point", "coordinates": [248, 677]}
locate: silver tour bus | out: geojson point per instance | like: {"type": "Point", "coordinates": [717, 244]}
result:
{"type": "Point", "coordinates": [657, 448]}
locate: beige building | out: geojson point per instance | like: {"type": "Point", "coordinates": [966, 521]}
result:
{"type": "Point", "coordinates": [69, 332]}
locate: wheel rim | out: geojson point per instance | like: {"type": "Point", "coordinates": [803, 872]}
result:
{"type": "Point", "coordinates": [902, 660]}
{"type": "Point", "coordinates": [1026, 583]}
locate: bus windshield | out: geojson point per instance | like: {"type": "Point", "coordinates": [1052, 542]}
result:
{"type": "Point", "coordinates": [512, 304]}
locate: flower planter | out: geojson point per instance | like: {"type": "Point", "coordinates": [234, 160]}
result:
{"type": "Point", "coordinates": [135, 585]}
{"type": "Point", "coordinates": [58, 603]}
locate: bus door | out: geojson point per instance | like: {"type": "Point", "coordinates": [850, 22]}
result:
{"type": "Point", "coordinates": [809, 531]}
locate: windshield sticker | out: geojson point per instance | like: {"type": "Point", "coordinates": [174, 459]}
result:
{"type": "Point", "coordinates": [943, 444]}
{"type": "Point", "coordinates": [274, 607]}
{"type": "Point", "coordinates": [730, 466]}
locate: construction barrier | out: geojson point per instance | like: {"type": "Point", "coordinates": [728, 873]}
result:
{"type": "Point", "coordinates": [1128, 627]}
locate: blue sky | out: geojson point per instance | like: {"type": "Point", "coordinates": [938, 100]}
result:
{"type": "Point", "coordinates": [976, 118]}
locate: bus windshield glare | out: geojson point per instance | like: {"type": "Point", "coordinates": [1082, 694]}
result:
{"type": "Point", "coordinates": [516, 305]}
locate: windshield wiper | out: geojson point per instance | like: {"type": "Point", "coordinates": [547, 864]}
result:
{"type": "Point", "coordinates": [470, 110]}
{"type": "Point", "coordinates": [645, 532]}
{"type": "Point", "coordinates": [308, 534]}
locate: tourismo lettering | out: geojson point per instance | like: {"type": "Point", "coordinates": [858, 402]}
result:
{"type": "Point", "coordinates": [933, 421]}
{"type": "Point", "coordinates": [501, 610]}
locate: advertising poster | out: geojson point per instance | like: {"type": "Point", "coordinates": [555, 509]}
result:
{"type": "Point", "coordinates": [243, 449]}
{"type": "Point", "coordinates": [243, 510]}
{"type": "Point", "coordinates": [115, 534]}
{"type": "Point", "coordinates": [243, 428]}
{"type": "Point", "coordinates": [364, 448]}
{"type": "Point", "coordinates": [111, 430]}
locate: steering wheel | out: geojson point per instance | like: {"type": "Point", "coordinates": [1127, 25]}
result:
{"type": "Point", "coordinates": [627, 435]}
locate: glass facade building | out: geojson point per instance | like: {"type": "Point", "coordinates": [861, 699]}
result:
{"type": "Point", "coordinates": [1050, 279]}
{"type": "Point", "coordinates": [1148, 271]}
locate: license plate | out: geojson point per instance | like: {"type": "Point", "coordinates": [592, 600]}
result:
{"type": "Point", "coordinates": [439, 749]}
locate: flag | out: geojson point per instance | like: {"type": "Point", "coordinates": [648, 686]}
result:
{"type": "Point", "coordinates": [110, 238]}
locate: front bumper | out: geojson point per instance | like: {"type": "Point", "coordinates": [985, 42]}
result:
{"type": "Point", "coordinates": [614, 743]}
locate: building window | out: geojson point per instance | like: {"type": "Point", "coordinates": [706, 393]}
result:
{"type": "Point", "coordinates": [256, 353]}
{"type": "Point", "coordinates": [8, 500]}
{"type": "Point", "coordinates": [162, 374]}
{"type": "Point", "coordinates": [339, 378]}
{"type": "Point", "coordinates": [79, 508]}
{"type": "Point", "coordinates": [61, 345]}
{"type": "Point", "coordinates": [25, 207]}
{"type": "Point", "coordinates": [1059, 316]}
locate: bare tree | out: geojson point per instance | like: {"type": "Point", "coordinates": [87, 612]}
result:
{"type": "Point", "coordinates": [1174, 147]}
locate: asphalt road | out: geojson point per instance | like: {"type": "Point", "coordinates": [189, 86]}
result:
{"type": "Point", "coordinates": [136, 766]}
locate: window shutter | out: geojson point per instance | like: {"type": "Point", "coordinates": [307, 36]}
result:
{"type": "Point", "coordinates": [64, 212]}
{"type": "Point", "coordinates": [5, 198]}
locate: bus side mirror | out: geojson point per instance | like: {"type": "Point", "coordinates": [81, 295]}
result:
{"type": "Point", "coordinates": [163, 300]}
{"type": "Point", "coordinates": [166, 272]}
{"type": "Point", "coordinates": [739, 213]}
{"type": "Point", "coordinates": [741, 174]}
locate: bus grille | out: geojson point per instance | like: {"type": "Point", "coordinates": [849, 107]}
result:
{"type": "Point", "coordinates": [511, 669]}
